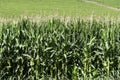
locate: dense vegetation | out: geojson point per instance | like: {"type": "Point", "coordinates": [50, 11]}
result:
{"type": "Point", "coordinates": [58, 49]}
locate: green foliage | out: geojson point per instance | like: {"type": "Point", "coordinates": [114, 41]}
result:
{"type": "Point", "coordinates": [58, 50]}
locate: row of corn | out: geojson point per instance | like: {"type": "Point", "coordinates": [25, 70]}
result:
{"type": "Point", "coordinates": [59, 50]}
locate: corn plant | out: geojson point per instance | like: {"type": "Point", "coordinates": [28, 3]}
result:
{"type": "Point", "coordinates": [56, 50]}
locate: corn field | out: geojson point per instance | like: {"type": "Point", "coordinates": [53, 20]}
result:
{"type": "Point", "coordinates": [60, 50]}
